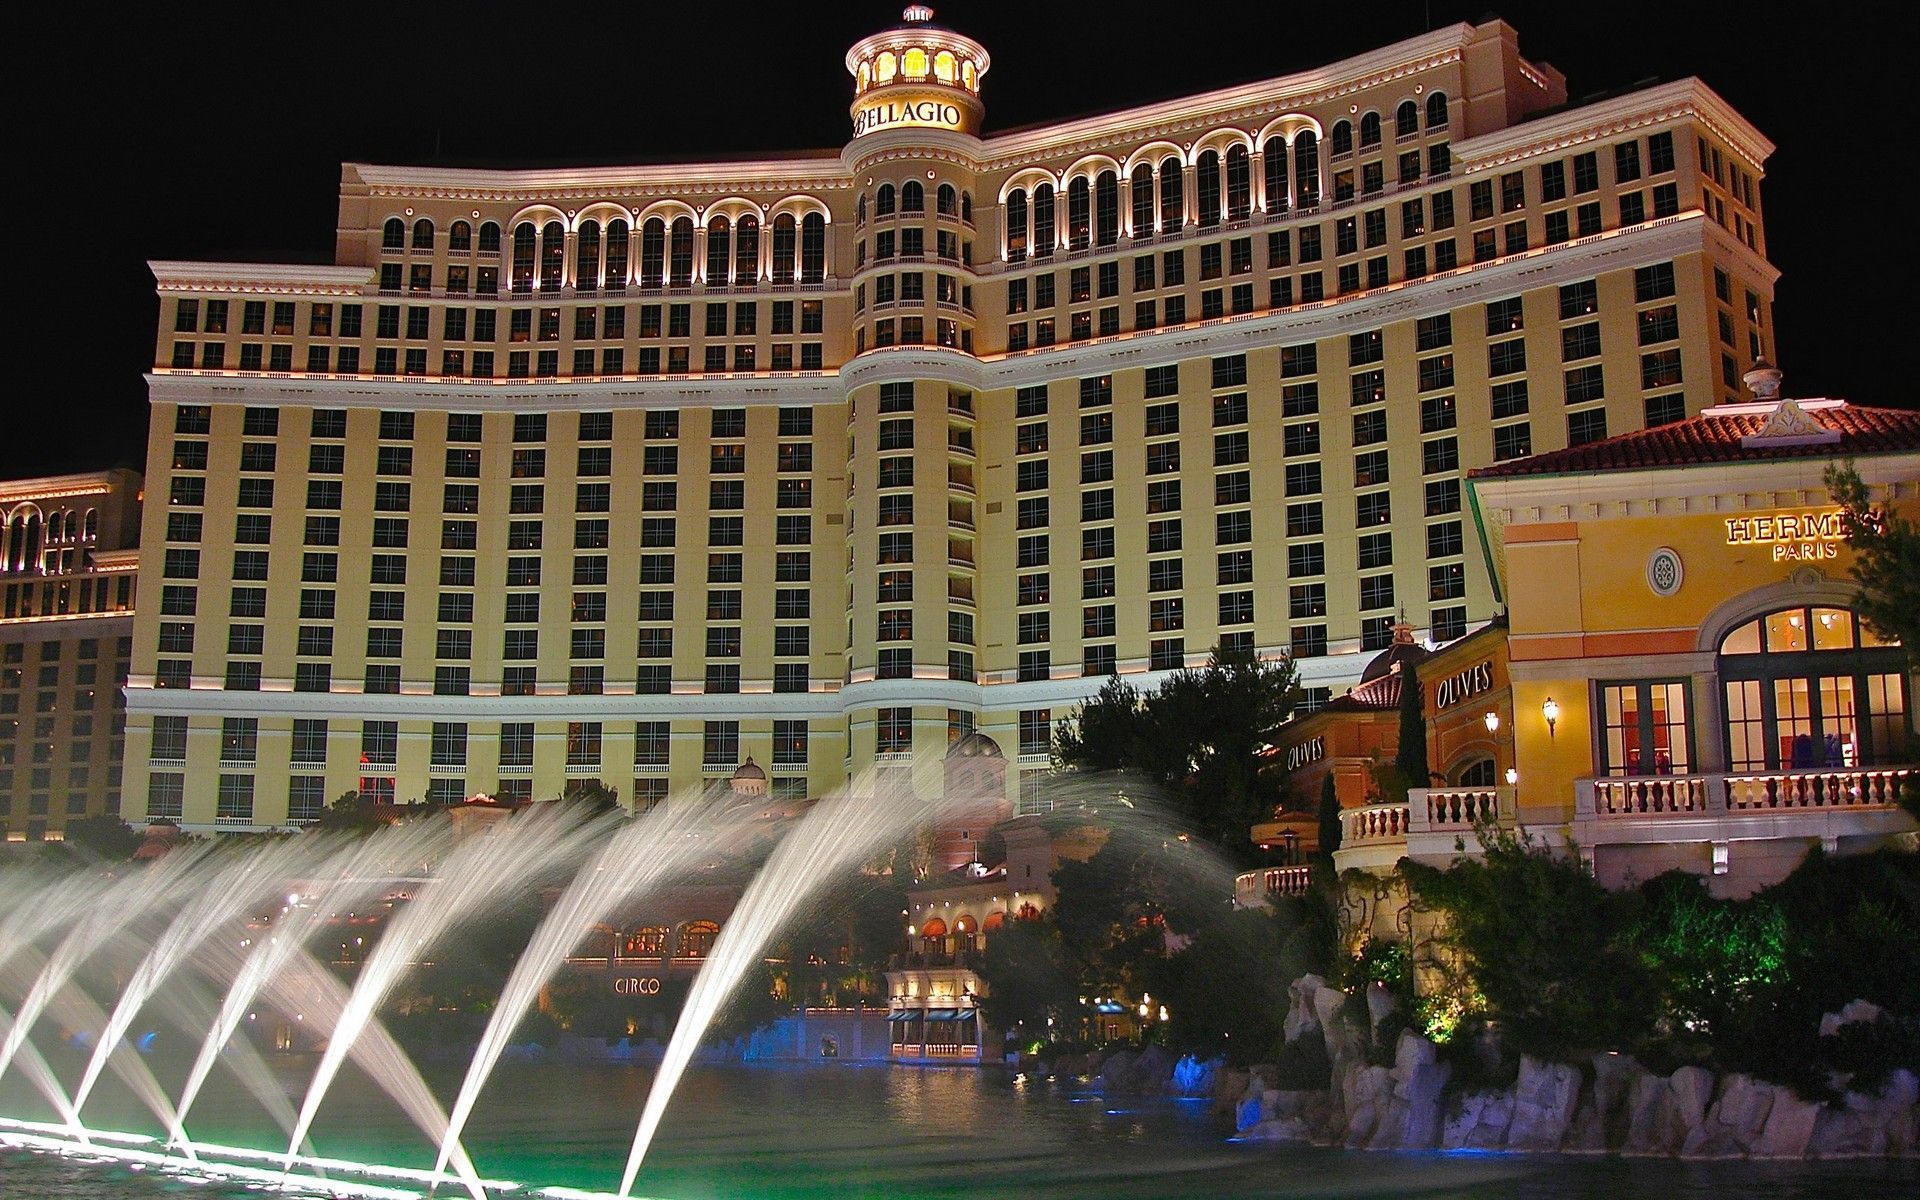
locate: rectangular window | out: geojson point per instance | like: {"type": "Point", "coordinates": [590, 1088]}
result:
{"type": "Point", "coordinates": [1646, 729]}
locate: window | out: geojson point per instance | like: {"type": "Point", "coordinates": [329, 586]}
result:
{"type": "Point", "coordinates": [1810, 688]}
{"type": "Point", "coordinates": [1645, 728]}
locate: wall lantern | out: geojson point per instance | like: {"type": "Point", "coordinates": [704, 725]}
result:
{"type": "Point", "coordinates": [1493, 722]}
{"type": "Point", "coordinates": [1551, 712]}
{"type": "Point", "coordinates": [1513, 777]}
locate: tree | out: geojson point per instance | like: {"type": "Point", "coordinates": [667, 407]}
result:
{"type": "Point", "coordinates": [1886, 565]}
{"type": "Point", "coordinates": [1028, 978]}
{"type": "Point", "coordinates": [350, 812]}
{"type": "Point", "coordinates": [1331, 830]}
{"type": "Point", "coordinates": [1116, 909]}
{"type": "Point", "coordinates": [1886, 560]}
{"type": "Point", "coordinates": [104, 835]}
{"type": "Point", "coordinates": [1202, 734]}
{"type": "Point", "coordinates": [593, 796]}
{"type": "Point", "coordinates": [1226, 992]}
{"type": "Point", "coordinates": [1410, 756]}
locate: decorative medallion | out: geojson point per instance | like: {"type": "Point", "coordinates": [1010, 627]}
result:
{"type": "Point", "coordinates": [1665, 572]}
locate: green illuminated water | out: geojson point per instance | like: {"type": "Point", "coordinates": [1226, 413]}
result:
{"type": "Point", "coordinates": [850, 1132]}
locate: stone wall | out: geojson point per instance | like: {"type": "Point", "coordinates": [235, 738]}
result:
{"type": "Point", "coordinates": [1611, 1104]}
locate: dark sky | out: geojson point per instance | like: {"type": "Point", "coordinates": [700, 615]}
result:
{"type": "Point", "coordinates": [201, 133]}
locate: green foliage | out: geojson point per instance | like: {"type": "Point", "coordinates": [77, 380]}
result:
{"type": "Point", "coordinates": [592, 796]}
{"type": "Point", "coordinates": [1712, 959]}
{"type": "Point", "coordinates": [753, 1006]}
{"type": "Point", "coordinates": [350, 813]}
{"type": "Point", "coordinates": [1028, 979]}
{"type": "Point", "coordinates": [1886, 549]}
{"type": "Point", "coordinates": [1331, 830]}
{"type": "Point", "coordinates": [1545, 945]}
{"type": "Point", "coordinates": [1387, 963]}
{"type": "Point", "coordinates": [103, 835]}
{"type": "Point", "coordinates": [1226, 991]}
{"type": "Point", "coordinates": [1115, 910]}
{"type": "Point", "coordinates": [1200, 734]}
{"type": "Point", "coordinates": [1410, 757]}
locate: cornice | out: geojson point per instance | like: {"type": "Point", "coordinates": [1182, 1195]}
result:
{"type": "Point", "coordinates": [1686, 489]}
{"type": "Point", "coordinates": [299, 279]}
{"type": "Point", "coordinates": [1262, 99]}
{"type": "Point", "coordinates": [818, 171]}
{"type": "Point", "coordinates": [61, 487]}
{"type": "Point", "coordinates": [498, 396]}
{"type": "Point", "coordinates": [1634, 111]}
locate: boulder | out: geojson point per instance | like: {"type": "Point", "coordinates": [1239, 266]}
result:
{"type": "Point", "coordinates": [1248, 1113]}
{"type": "Point", "coordinates": [1692, 1092]}
{"type": "Point", "coordinates": [1192, 1077]}
{"type": "Point", "coordinates": [1419, 1079]}
{"type": "Point", "coordinates": [1854, 1012]}
{"type": "Point", "coordinates": [1789, 1127]}
{"type": "Point", "coordinates": [1381, 1004]}
{"type": "Point", "coordinates": [1711, 1140]}
{"type": "Point", "coordinates": [1841, 1133]}
{"type": "Point", "coordinates": [1614, 1076]}
{"type": "Point", "coordinates": [1544, 1100]}
{"type": "Point", "coordinates": [1902, 1099]}
{"type": "Point", "coordinates": [1742, 1108]}
{"type": "Point", "coordinates": [1302, 1017]}
{"type": "Point", "coordinates": [1651, 1121]}
{"type": "Point", "coordinates": [1368, 1094]}
{"type": "Point", "coordinates": [1588, 1133]}
{"type": "Point", "coordinates": [1279, 1129]}
{"type": "Point", "coordinates": [1113, 1070]}
{"type": "Point", "coordinates": [1228, 1087]}
{"type": "Point", "coordinates": [1150, 1070]}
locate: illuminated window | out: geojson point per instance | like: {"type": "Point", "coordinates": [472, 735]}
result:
{"type": "Point", "coordinates": [1812, 688]}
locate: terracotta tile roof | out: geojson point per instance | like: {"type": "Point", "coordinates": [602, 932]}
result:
{"type": "Point", "coordinates": [1733, 433]}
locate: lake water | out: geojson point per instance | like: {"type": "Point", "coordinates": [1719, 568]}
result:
{"type": "Point", "coordinates": [850, 1132]}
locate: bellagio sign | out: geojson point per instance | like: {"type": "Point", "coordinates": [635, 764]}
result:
{"type": "Point", "coordinates": [907, 112]}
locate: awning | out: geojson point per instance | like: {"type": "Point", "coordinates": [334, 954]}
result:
{"type": "Point", "coordinates": [906, 1014]}
{"type": "Point", "coordinates": [941, 1014]}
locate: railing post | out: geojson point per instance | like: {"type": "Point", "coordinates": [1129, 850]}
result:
{"type": "Point", "coordinates": [1419, 812]}
{"type": "Point", "coordinates": [1716, 794]}
{"type": "Point", "coordinates": [1583, 798]}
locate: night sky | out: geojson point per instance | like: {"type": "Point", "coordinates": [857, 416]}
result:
{"type": "Point", "coordinates": [197, 133]}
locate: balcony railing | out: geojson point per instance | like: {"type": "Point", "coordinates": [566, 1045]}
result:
{"type": "Point", "coordinates": [1374, 824]}
{"type": "Point", "coordinates": [1253, 889]}
{"type": "Point", "coordinates": [1740, 793]}
{"type": "Point", "coordinates": [1450, 809]}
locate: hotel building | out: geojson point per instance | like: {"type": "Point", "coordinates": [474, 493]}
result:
{"type": "Point", "coordinates": [68, 554]}
{"type": "Point", "coordinates": [634, 473]}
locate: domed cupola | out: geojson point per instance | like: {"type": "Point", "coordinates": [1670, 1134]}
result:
{"type": "Point", "coordinates": [917, 75]}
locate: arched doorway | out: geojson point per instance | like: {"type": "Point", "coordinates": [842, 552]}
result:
{"type": "Point", "coordinates": [1811, 687]}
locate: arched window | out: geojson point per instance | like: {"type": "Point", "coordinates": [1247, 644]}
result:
{"type": "Point", "coordinates": [423, 234]}
{"type": "Point", "coordinates": [653, 253]}
{"type": "Point", "coordinates": [1437, 110]}
{"type": "Point", "coordinates": [680, 253]}
{"type": "Point", "coordinates": [586, 257]}
{"type": "Point", "coordinates": [1079, 214]}
{"type": "Point", "coordinates": [933, 935]}
{"type": "Point", "coordinates": [1028, 912]}
{"type": "Point", "coordinates": [1106, 209]}
{"type": "Point", "coordinates": [1276, 174]}
{"type": "Point", "coordinates": [648, 941]}
{"type": "Point", "coordinates": [813, 248]}
{"type": "Point", "coordinates": [966, 207]}
{"type": "Point", "coordinates": [719, 251]}
{"type": "Point", "coordinates": [93, 524]}
{"type": "Point", "coordinates": [1017, 225]}
{"type": "Point", "coordinates": [1341, 141]}
{"type": "Point", "coordinates": [946, 201]}
{"type": "Point", "coordinates": [1044, 236]}
{"type": "Point", "coordinates": [860, 210]}
{"type": "Point", "coordinates": [1239, 183]}
{"type": "Point", "coordinates": [1406, 120]}
{"type": "Point", "coordinates": [393, 235]}
{"type": "Point", "coordinates": [1813, 688]}
{"type": "Point", "coordinates": [1369, 130]}
{"type": "Point", "coordinates": [883, 201]}
{"type": "Point", "coordinates": [615, 278]}
{"type": "Point", "coordinates": [1306, 169]}
{"type": "Point", "coordinates": [1143, 201]}
{"type": "Point", "coordinates": [1478, 773]}
{"type": "Point", "coordinates": [746, 251]}
{"type": "Point", "coordinates": [696, 939]}
{"type": "Point", "coordinates": [945, 66]}
{"type": "Point", "coordinates": [784, 248]}
{"type": "Point", "coordinates": [1173, 199]}
{"type": "Point", "coordinates": [913, 197]}
{"type": "Point", "coordinates": [524, 240]}
{"type": "Point", "coordinates": [459, 236]}
{"type": "Point", "coordinates": [965, 926]}
{"type": "Point", "coordinates": [1206, 190]}
{"type": "Point", "coordinates": [490, 237]}
{"type": "Point", "coordinates": [553, 255]}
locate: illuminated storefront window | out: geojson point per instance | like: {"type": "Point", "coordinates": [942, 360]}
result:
{"type": "Point", "coordinates": [1811, 688]}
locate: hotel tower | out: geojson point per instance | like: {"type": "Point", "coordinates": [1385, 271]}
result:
{"type": "Point", "coordinates": [634, 474]}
